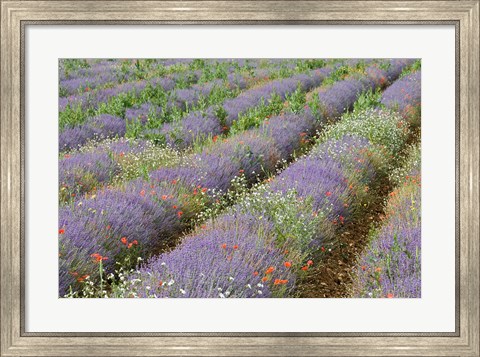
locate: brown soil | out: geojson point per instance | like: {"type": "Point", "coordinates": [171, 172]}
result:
{"type": "Point", "coordinates": [330, 276]}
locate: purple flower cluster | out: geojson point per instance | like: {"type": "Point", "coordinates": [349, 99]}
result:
{"type": "Point", "coordinates": [222, 261]}
{"type": "Point", "coordinates": [282, 87]}
{"type": "Point", "coordinates": [81, 172]}
{"type": "Point", "coordinates": [214, 168]}
{"type": "Point", "coordinates": [404, 95]}
{"type": "Point", "coordinates": [199, 125]}
{"type": "Point", "coordinates": [100, 127]}
{"type": "Point", "coordinates": [143, 112]}
{"type": "Point", "coordinates": [343, 94]}
{"type": "Point", "coordinates": [115, 224]}
{"type": "Point", "coordinates": [93, 99]}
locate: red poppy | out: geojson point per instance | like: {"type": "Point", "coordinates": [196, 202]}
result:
{"type": "Point", "coordinates": [123, 240]}
{"type": "Point", "coordinates": [235, 246]}
{"type": "Point", "coordinates": [224, 246]}
{"type": "Point", "coordinates": [270, 270]}
{"type": "Point", "coordinates": [364, 267]}
{"type": "Point", "coordinates": [204, 189]}
{"type": "Point", "coordinates": [328, 194]}
{"type": "Point", "coordinates": [174, 207]}
{"type": "Point", "coordinates": [255, 273]}
{"type": "Point", "coordinates": [61, 231]}
{"type": "Point", "coordinates": [264, 279]}
{"type": "Point", "coordinates": [287, 264]}
{"type": "Point", "coordinates": [82, 278]}
{"type": "Point", "coordinates": [142, 193]}
{"type": "Point", "coordinates": [389, 295]}
{"type": "Point", "coordinates": [305, 268]}
{"type": "Point", "coordinates": [215, 138]}
{"type": "Point", "coordinates": [179, 213]}
{"type": "Point", "coordinates": [135, 242]}
{"type": "Point", "coordinates": [310, 262]}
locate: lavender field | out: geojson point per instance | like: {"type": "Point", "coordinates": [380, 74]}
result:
{"type": "Point", "coordinates": [239, 178]}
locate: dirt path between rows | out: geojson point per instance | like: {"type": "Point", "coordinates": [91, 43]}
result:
{"type": "Point", "coordinates": [331, 275]}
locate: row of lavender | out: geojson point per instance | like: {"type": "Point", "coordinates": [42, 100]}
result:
{"type": "Point", "coordinates": [78, 122]}
{"type": "Point", "coordinates": [77, 76]}
{"type": "Point", "coordinates": [391, 267]}
{"type": "Point", "coordinates": [262, 244]}
{"type": "Point", "coordinates": [148, 213]}
{"type": "Point", "coordinates": [81, 172]}
{"type": "Point", "coordinates": [245, 253]}
{"type": "Point", "coordinates": [100, 73]}
{"type": "Point", "coordinates": [139, 94]}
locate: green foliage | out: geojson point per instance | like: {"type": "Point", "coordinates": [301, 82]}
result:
{"type": "Point", "coordinates": [416, 66]}
{"type": "Point", "coordinates": [257, 115]}
{"type": "Point", "coordinates": [297, 100]}
{"type": "Point", "coordinates": [369, 99]}
{"type": "Point", "coordinates": [70, 65]}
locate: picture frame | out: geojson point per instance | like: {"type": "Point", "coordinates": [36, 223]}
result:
{"type": "Point", "coordinates": [16, 15]}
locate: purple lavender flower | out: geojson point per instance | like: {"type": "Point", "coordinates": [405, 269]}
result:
{"type": "Point", "coordinates": [109, 222]}
{"type": "Point", "coordinates": [100, 127]}
{"type": "Point", "coordinates": [218, 262]}
{"type": "Point", "coordinates": [404, 95]}
{"type": "Point", "coordinates": [391, 265]}
{"type": "Point", "coordinates": [143, 112]}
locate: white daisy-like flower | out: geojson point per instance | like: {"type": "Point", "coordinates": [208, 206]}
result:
{"type": "Point", "coordinates": [171, 282]}
{"type": "Point", "coordinates": [249, 286]}
{"type": "Point", "coordinates": [221, 296]}
{"type": "Point", "coordinates": [231, 278]}
{"type": "Point", "coordinates": [260, 285]}
{"type": "Point", "coordinates": [163, 264]}
{"type": "Point", "coordinates": [259, 292]}
{"type": "Point", "coordinates": [183, 291]}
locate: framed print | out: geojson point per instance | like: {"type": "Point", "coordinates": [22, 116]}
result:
{"type": "Point", "coordinates": [273, 178]}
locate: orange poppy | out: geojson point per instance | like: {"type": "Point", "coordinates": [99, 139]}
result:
{"type": "Point", "coordinates": [270, 270]}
